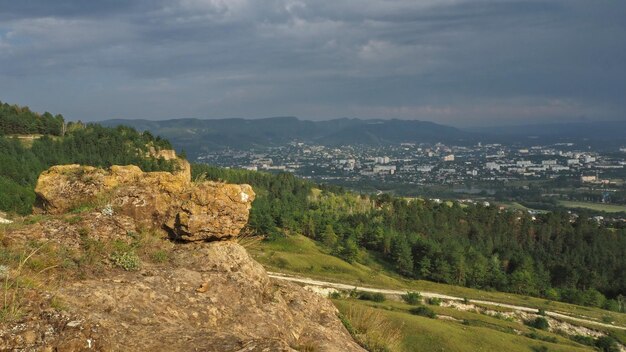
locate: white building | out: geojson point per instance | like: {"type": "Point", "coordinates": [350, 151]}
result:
{"type": "Point", "coordinates": [449, 157]}
{"type": "Point", "coordinates": [492, 166]}
{"type": "Point", "coordinates": [424, 168]}
{"type": "Point", "coordinates": [589, 159]}
{"type": "Point", "coordinates": [382, 160]}
{"type": "Point", "coordinates": [384, 169]}
{"type": "Point", "coordinates": [573, 161]}
{"type": "Point", "coordinates": [558, 168]}
{"type": "Point", "coordinates": [589, 178]}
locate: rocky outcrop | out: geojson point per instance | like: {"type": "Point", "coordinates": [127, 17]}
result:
{"type": "Point", "coordinates": [111, 294]}
{"type": "Point", "coordinates": [215, 298]}
{"type": "Point", "coordinates": [170, 201]}
{"type": "Point", "coordinates": [208, 296]}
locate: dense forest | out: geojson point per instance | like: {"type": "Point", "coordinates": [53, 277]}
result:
{"type": "Point", "coordinates": [92, 144]}
{"type": "Point", "coordinates": [16, 119]}
{"type": "Point", "coordinates": [552, 255]}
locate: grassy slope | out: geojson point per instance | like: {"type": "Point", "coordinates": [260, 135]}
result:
{"type": "Point", "coordinates": [300, 255]}
{"type": "Point", "coordinates": [609, 208]}
{"type": "Point", "coordinates": [479, 333]}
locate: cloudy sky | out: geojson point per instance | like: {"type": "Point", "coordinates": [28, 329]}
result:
{"type": "Point", "coordinates": [460, 62]}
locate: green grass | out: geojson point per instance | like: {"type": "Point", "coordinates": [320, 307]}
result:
{"type": "Point", "coordinates": [475, 332]}
{"type": "Point", "coordinates": [300, 255]}
{"type": "Point", "coordinates": [513, 205]}
{"type": "Point", "coordinates": [609, 208]}
{"type": "Point", "coordinates": [518, 206]}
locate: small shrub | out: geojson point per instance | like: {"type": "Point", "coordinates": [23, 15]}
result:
{"type": "Point", "coordinates": [81, 209]}
{"type": "Point", "coordinates": [134, 236]}
{"type": "Point", "coordinates": [128, 261]}
{"type": "Point", "coordinates": [423, 311]}
{"type": "Point", "coordinates": [73, 219]}
{"type": "Point", "coordinates": [584, 340]}
{"type": "Point", "coordinates": [412, 298]}
{"type": "Point", "coordinates": [607, 319]}
{"type": "Point", "coordinates": [160, 256]}
{"type": "Point", "coordinates": [334, 295]}
{"type": "Point", "coordinates": [539, 348]}
{"type": "Point", "coordinates": [607, 344]}
{"type": "Point", "coordinates": [541, 312]}
{"type": "Point", "coordinates": [540, 323]}
{"type": "Point", "coordinates": [434, 301]}
{"type": "Point", "coordinates": [281, 262]}
{"type": "Point", "coordinates": [372, 296]}
{"type": "Point", "coordinates": [347, 324]}
{"type": "Point", "coordinates": [534, 335]}
{"type": "Point", "coordinates": [466, 300]}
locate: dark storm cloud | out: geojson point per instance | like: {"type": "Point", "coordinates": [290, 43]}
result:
{"type": "Point", "coordinates": [453, 61]}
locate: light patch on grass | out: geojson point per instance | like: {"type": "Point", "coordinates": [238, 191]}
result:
{"type": "Point", "coordinates": [609, 208]}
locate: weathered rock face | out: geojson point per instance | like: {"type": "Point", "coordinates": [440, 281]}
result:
{"type": "Point", "coordinates": [209, 296]}
{"type": "Point", "coordinates": [215, 298]}
{"type": "Point", "coordinates": [161, 200]}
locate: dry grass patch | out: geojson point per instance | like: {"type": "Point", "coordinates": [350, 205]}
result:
{"type": "Point", "coordinates": [372, 330]}
{"type": "Point", "coordinates": [17, 275]}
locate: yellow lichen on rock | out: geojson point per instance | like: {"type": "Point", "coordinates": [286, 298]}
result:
{"type": "Point", "coordinates": [160, 200]}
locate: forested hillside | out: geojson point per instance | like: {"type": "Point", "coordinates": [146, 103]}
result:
{"type": "Point", "coordinates": [16, 119]}
{"type": "Point", "coordinates": [92, 144]}
{"type": "Point", "coordinates": [552, 256]}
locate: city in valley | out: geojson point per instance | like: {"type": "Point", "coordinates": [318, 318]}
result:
{"type": "Point", "coordinates": [541, 177]}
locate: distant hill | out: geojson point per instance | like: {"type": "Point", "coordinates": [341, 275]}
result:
{"type": "Point", "coordinates": [599, 134]}
{"type": "Point", "coordinates": [195, 135]}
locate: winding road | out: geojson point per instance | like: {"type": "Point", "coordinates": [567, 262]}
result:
{"type": "Point", "coordinates": [339, 286]}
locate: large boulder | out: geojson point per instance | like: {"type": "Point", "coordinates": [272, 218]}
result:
{"type": "Point", "coordinates": [159, 200]}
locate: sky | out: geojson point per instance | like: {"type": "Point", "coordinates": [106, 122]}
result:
{"type": "Point", "coordinates": [457, 62]}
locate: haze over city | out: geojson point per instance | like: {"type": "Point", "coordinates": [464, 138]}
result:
{"type": "Point", "coordinates": [455, 62]}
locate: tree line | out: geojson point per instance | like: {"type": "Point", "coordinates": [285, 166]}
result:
{"type": "Point", "coordinates": [92, 144]}
{"type": "Point", "coordinates": [15, 119]}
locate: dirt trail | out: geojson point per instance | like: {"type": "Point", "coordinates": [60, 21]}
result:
{"type": "Point", "coordinates": [309, 281]}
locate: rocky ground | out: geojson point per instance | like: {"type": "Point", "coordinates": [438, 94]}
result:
{"type": "Point", "coordinates": [213, 298]}
{"type": "Point", "coordinates": [144, 271]}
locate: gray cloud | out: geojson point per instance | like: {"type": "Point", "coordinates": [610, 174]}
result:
{"type": "Point", "coordinates": [453, 61]}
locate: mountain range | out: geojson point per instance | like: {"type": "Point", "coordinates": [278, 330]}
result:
{"type": "Point", "coordinates": [198, 135]}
